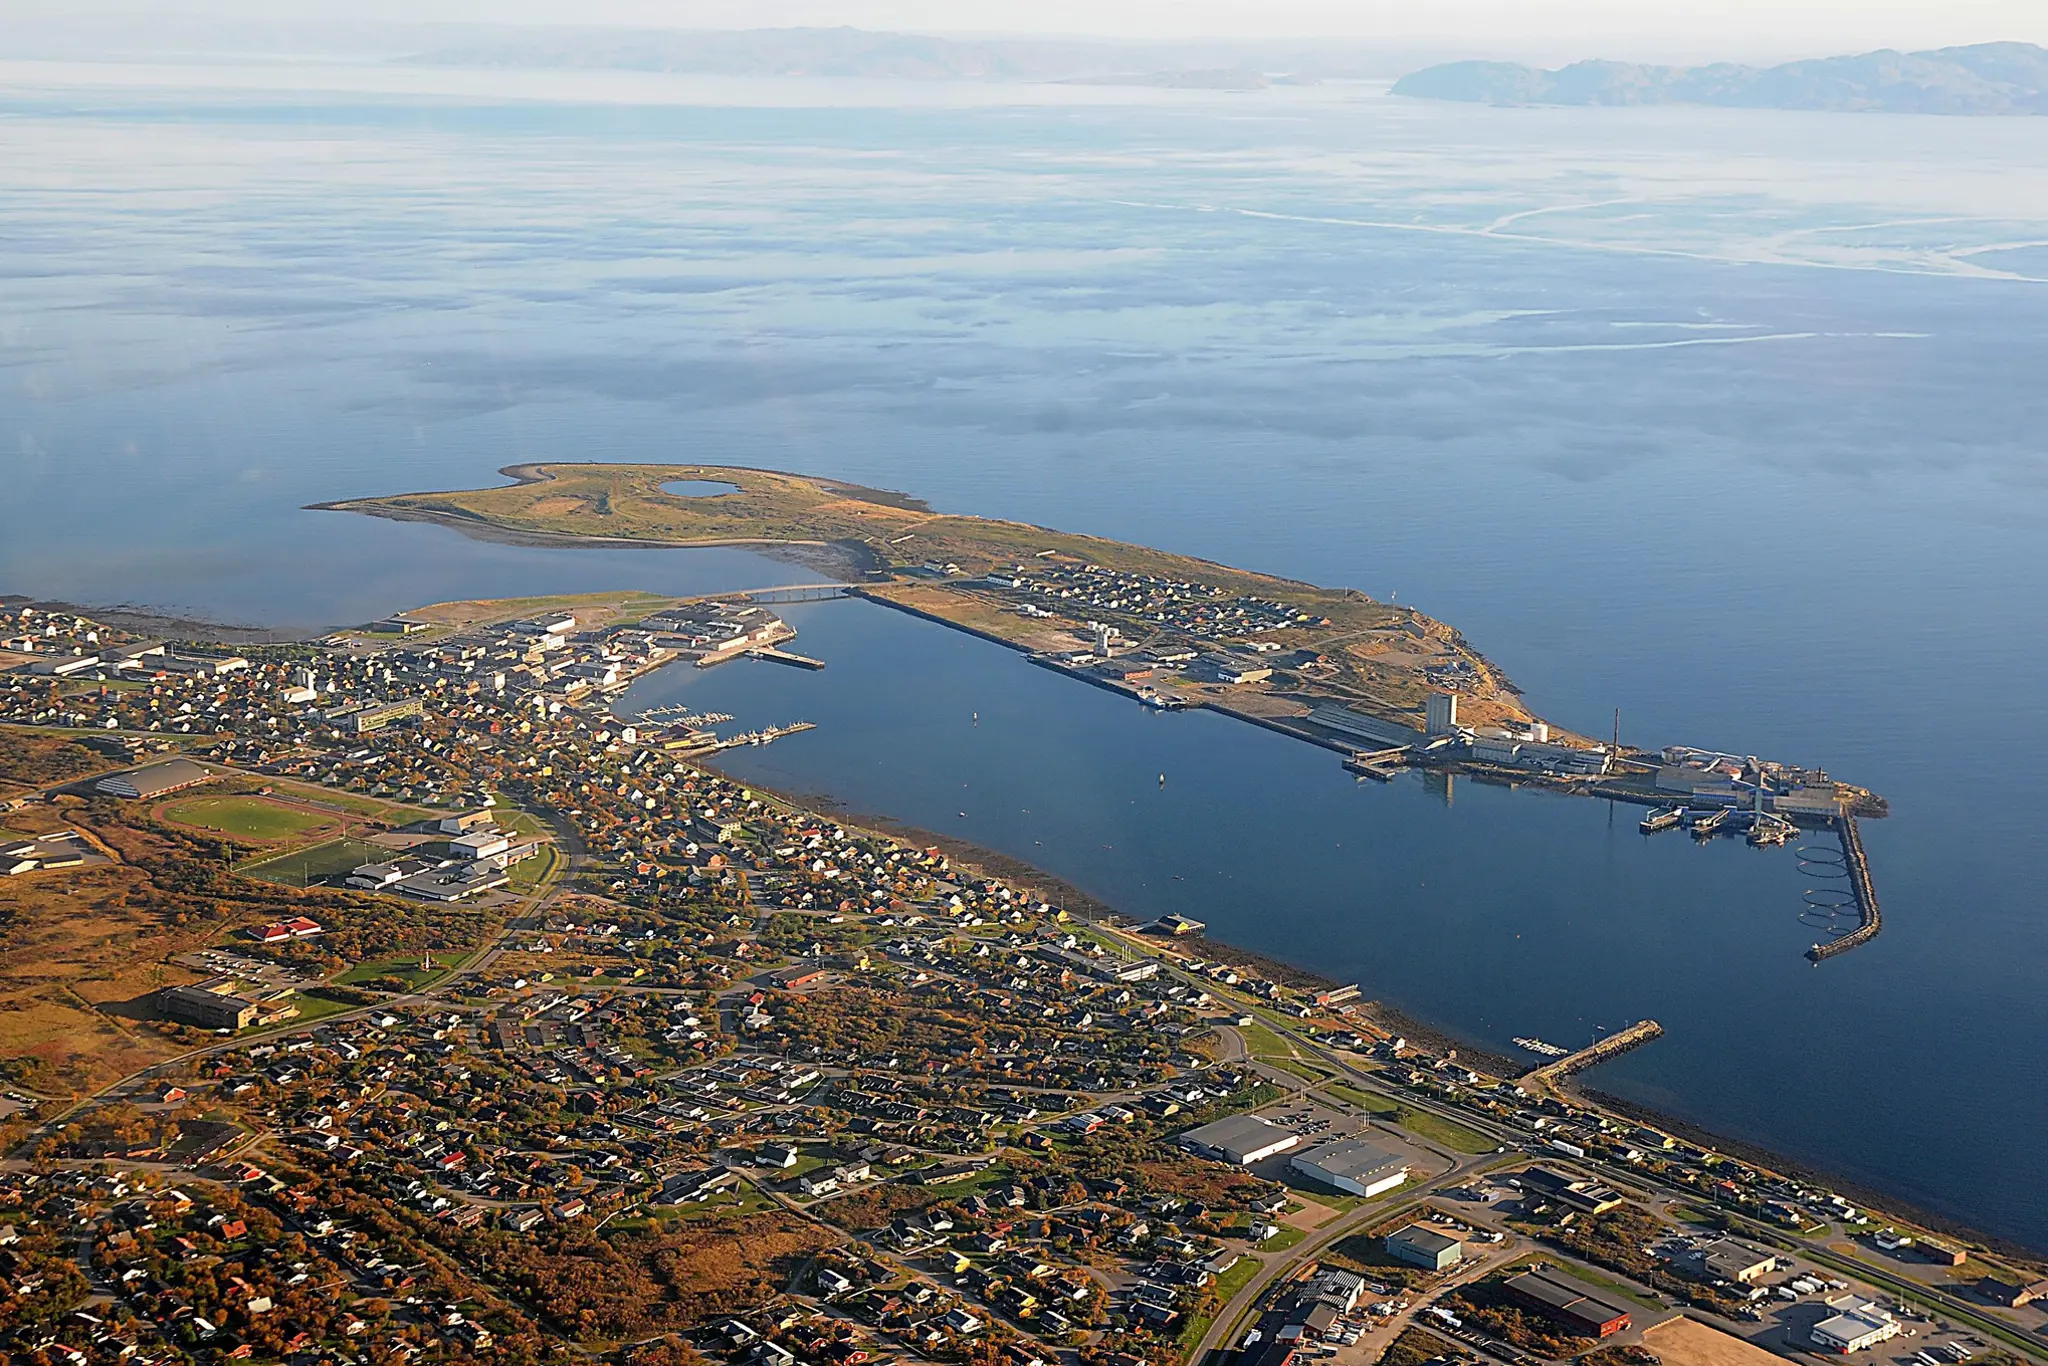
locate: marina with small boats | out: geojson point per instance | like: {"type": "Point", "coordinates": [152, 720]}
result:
{"type": "Point", "coordinates": [683, 716]}
{"type": "Point", "coordinates": [1538, 1046]}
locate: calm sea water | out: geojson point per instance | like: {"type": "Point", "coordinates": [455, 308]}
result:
{"type": "Point", "coordinates": [1730, 420]}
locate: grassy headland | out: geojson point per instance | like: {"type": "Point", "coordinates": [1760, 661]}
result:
{"type": "Point", "coordinates": [1324, 645]}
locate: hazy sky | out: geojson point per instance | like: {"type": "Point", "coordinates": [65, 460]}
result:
{"type": "Point", "coordinates": [1613, 27]}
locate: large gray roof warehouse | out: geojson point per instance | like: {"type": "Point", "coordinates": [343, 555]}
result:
{"type": "Point", "coordinates": [1352, 1165]}
{"type": "Point", "coordinates": [1240, 1139]}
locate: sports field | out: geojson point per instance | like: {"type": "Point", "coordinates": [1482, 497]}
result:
{"type": "Point", "coordinates": [304, 867]}
{"type": "Point", "coordinates": [252, 818]}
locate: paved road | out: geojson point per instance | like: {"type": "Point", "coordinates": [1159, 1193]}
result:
{"type": "Point", "coordinates": [1500, 1255]}
{"type": "Point", "coordinates": [1951, 1306]}
{"type": "Point", "coordinates": [1230, 1320]}
{"type": "Point", "coordinates": [572, 845]}
{"type": "Point", "coordinates": [1515, 1141]}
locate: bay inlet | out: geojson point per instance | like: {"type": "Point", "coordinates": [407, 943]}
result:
{"type": "Point", "coordinates": [1484, 912]}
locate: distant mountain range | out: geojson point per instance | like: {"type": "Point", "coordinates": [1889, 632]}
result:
{"type": "Point", "coordinates": [1989, 78]}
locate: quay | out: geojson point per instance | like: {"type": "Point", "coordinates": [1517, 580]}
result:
{"type": "Point", "coordinates": [1383, 765]}
{"type": "Point", "coordinates": [1870, 918]}
{"type": "Point", "coordinates": [775, 656]}
{"type": "Point", "coordinates": [793, 592]}
{"type": "Point", "coordinates": [1546, 1077]}
{"type": "Point", "coordinates": [762, 737]}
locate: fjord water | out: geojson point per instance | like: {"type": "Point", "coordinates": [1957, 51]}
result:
{"type": "Point", "coordinates": [1730, 420]}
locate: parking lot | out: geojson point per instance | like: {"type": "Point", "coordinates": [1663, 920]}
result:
{"type": "Point", "coordinates": [223, 963]}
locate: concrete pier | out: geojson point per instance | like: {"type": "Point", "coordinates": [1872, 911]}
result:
{"type": "Point", "coordinates": [1546, 1077]}
{"type": "Point", "coordinates": [775, 656]}
{"type": "Point", "coordinates": [1870, 918]}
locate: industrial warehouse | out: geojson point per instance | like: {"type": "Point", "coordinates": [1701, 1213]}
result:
{"type": "Point", "coordinates": [1240, 1140]}
{"type": "Point", "coordinates": [1352, 1166]}
{"type": "Point", "coordinates": [1574, 1307]}
{"type": "Point", "coordinates": [1855, 1324]}
{"type": "Point", "coordinates": [1420, 1245]}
